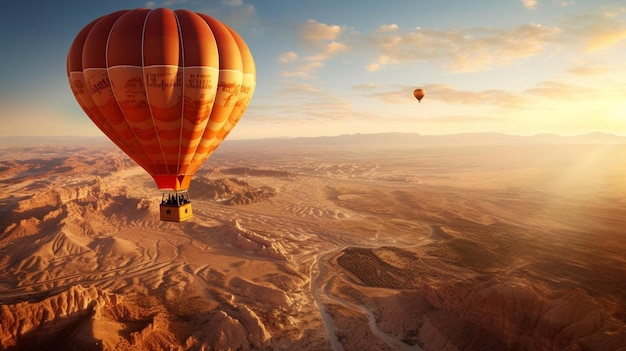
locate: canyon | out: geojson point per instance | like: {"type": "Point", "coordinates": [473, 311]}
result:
{"type": "Point", "coordinates": [379, 242]}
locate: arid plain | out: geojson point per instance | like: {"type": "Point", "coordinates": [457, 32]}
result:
{"type": "Point", "coordinates": [359, 242]}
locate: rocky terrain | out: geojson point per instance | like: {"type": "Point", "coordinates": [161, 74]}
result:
{"type": "Point", "coordinates": [230, 191]}
{"type": "Point", "coordinates": [414, 247]}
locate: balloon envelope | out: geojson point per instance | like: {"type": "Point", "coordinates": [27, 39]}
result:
{"type": "Point", "coordinates": [165, 86]}
{"type": "Point", "coordinates": [419, 94]}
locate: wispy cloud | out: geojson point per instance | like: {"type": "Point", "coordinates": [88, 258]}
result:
{"type": "Point", "coordinates": [448, 94]}
{"type": "Point", "coordinates": [470, 49]}
{"type": "Point", "coordinates": [287, 57]}
{"type": "Point", "coordinates": [315, 32]}
{"type": "Point", "coordinates": [460, 50]}
{"type": "Point", "coordinates": [587, 68]}
{"type": "Point", "coordinates": [597, 31]}
{"type": "Point", "coordinates": [530, 4]}
{"type": "Point", "coordinates": [322, 43]}
{"type": "Point", "coordinates": [305, 102]}
{"type": "Point", "coordinates": [303, 70]}
{"type": "Point", "coordinates": [493, 97]}
{"type": "Point", "coordinates": [559, 90]}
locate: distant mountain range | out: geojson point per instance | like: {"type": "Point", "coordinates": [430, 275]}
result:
{"type": "Point", "coordinates": [392, 140]}
{"type": "Point", "coordinates": [403, 140]}
{"type": "Point", "coordinates": [37, 141]}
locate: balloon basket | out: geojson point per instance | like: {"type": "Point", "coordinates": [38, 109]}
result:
{"type": "Point", "coordinates": [175, 206]}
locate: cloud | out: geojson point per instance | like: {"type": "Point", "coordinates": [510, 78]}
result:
{"type": "Point", "coordinates": [299, 101]}
{"type": "Point", "coordinates": [321, 44]}
{"type": "Point", "coordinates": [298, 89]}
{"type": "Point", "coordinates": [477, 49]}
{"type": "Point", "coordinates": [388, 28]}
{"type": "Point", "coordinates": [303, 71]}
{"type": "Point", "coordinates": [313, 31]}
{"type": "Point", "coordinates": [287, 57]}
{"type": "Point", "coordinates": [321, 40]}
{"type": "Point", "coordinates": [373, 67]}
{"type": "Point", "coordinates": [553, 90]}
{"type": "Point", "coordinates": [588, 68]}
{"type": "Point", "coordinates": [333, 48]}
{"type": "Point", "coordinates": [401, 94]}
{"type": "Point", "coordinates": [325, 52]}
{"type": "Point", "coordinates": [311, 66]}
{"type": "Point", "coordinates": [550, 91]}
{"type": "Point", "coordinates": [597, 31]}
{"type": "Point", "coordinates": [450, 94]}
{"type": "Point", "coordinates": [461, 50]}
{"type": "Point", "coordinates": [530, 4]}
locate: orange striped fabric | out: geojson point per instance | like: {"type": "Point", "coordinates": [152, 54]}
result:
{"type": "Point", "coordinates": [165, 86]}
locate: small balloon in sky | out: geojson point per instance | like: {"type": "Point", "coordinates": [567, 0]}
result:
{"type": "Point", "coordinates": [419, 94]}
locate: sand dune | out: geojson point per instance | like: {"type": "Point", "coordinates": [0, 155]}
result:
{"type": "Point", "coordinates": [357, 242]}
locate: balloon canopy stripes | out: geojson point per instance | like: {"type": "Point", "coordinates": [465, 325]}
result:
{"type": "Point", "coordinates": [165, 86]}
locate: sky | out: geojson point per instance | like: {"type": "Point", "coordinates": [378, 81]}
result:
{"type": "Point", "coordinates": [330, 67]}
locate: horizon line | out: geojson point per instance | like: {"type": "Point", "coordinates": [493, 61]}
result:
{"type": "Point", "coordinates": [344, 134]}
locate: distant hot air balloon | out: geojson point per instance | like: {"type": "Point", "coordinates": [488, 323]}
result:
{"type": "Point", "coordinates": [166, 87]}
{"type": "Point", "coordinates": [419, 94]}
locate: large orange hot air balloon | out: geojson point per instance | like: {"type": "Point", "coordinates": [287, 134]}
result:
{"type": "Point", "coordinates": [419, 94]}
{"type": "Point", "coordinates": [166, 87]}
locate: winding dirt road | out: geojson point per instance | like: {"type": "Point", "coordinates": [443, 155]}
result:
{"type": "Point", "coordinates": [320, 278]}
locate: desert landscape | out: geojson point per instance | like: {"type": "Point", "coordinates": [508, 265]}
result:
{"type": "Point", "coordinates": [355, 242]}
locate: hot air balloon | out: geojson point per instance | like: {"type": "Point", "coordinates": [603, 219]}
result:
{"type": "Point", "coordinates": [419, 94]}
{"type": "Point", "coordinates": [166, 87]}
